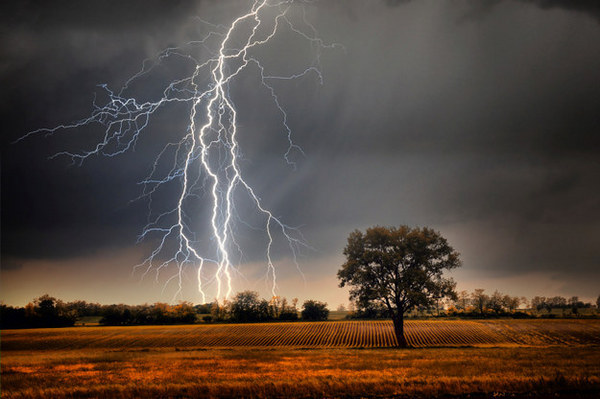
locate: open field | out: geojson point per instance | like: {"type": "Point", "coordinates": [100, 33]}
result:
{"type": "Point", "coordinates": [339, 334]}
{"type": "Point", "coordinates": [287, 372]}
{"type": "Point", "coordinates": [533, 358]}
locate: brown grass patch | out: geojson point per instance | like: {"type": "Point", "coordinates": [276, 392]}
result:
{"type": "Point", "coordinates": [301, 373]}
{"type": "Point", "coordinates": [479, 358]}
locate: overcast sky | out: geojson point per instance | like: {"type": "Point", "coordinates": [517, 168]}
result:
{"type": "Point", "coordinates": [479, 119]}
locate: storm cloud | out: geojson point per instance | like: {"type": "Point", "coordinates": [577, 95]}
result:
{"type": "Point", "coordinates": [479, 119]}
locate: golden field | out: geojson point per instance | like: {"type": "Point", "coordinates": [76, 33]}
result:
{"type": "Point", "coordinates": [321, 359]}
{"type": "Point", "coordinates": [327, 334]}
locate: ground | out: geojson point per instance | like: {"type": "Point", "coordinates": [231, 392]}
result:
{"type": "Point", "coordinates": [159, 361]}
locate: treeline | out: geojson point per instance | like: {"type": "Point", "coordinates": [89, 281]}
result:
{"type": "Point", "coordinates": [47, 311]}
{"type": "Point", "coordinates": [479, 304]}
{"type": "Point", "coordinates": [44, 311]}
{"type": "Point", "coordinates": [246, 306]}
{"type": "Point", "coordinates": [573, 304]}
{"type": "Point", "coordinates": [158, 313]}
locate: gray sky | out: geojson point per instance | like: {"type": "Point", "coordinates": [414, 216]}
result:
{"type": "Point", "coordinates": [479, 119]}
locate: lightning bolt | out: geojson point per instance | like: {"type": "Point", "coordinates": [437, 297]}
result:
{"type": "Point", "coordinates": [207, 158]}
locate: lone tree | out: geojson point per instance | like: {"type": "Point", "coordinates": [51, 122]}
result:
{"type": "Point", "coordinates": [400, 268]}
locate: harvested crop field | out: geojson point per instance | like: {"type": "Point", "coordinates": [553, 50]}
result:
{"type": "Point", "coordinates": [338, 334]}
{"type": "Point", "coordinates": [509, 358]}
{"type": "Point", "coordinates": [512, 372]}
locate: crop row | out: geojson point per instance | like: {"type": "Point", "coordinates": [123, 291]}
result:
{"type": "Point", "coordinates": [337, 334]}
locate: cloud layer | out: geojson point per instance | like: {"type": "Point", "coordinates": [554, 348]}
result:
{"type": "Point", "coordinates": [478, 120]}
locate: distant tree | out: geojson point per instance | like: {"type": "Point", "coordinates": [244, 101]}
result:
{"type": "Point", "coordinates": [400, 268]}
{"type": "Point", "coordinates": [160, 313]}
{"type": "Point", "coordinates": [573, 301]}
{"type": "Point", "coordinates": [496, 301]}
{"type": "Point", "coordinates": [289, 312]}
{"type": "Point", "coordinates": [157, 313]}
{"type": "Point", "coordinates": [184, 312]}
{"type": "Point", "coordinates": [540, 303]}
{"type": "Point", "coordinates": [45, 307]}
{"type": "Point", "coordinates": [115, 315]}
{"type": "Point", "coordinates": [279, 309]}
{"type": "Point", "coordinates": [276, 305]}
{"type": "Point", "coordinates": [246, 306]}
{"type": "Point", "coordinates": [371, 310]}
{"type": "Point", "coordinates": [598, 302]}
{"type": "Point", "coordinates": [51, 312]}
{"type": "Point", "coordinates": [30, 311]}
{"type": "Point", "coordinates": [462, 300]}
{"type": "Point", "coordinates": [220, 311]}
{"type": "Point", "coordinates": [83, 308]}
{"type": "Point", "coordinates": [510, 303]}
{"type": "Point", "coordinates": [480, 300]}
{"type": "Point", "coordinates": [11, 317]}
{"type": "Point", "coordinates": [314, 310]}
{"type": "Point", "coordinates": [557, 302]}
{"type": "Point", "coordinates": [340, 308]}
{"type": "Point", "coordinates": [351, 307]}
{"type": "Point", "coordinates": [203, 308]}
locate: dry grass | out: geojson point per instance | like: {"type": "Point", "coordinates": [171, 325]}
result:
{"type": "Point", "coordinates": [132, 362]}
{"type": "Point", "coordinates": [300, 373]}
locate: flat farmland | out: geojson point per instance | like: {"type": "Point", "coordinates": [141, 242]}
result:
{"type": "Point", "coordinates": [449, 358]}
{"type": "Point", "coordinates": [330, 334]}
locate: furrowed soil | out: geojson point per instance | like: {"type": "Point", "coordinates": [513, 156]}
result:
{"type": "Point", "coordinates": [510, 358]}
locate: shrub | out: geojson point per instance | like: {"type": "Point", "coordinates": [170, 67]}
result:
{"type": "Point", "coordinates": [314, 310]}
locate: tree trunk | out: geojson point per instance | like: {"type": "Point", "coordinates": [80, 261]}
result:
{"type": "Point", "coordinates": [399, 330]}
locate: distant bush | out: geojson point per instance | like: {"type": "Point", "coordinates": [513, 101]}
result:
{"type": "Point", "coordinates": [314, 310]}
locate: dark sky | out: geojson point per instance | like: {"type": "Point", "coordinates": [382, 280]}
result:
{"type": "Point", "coordinates": [479, 119]}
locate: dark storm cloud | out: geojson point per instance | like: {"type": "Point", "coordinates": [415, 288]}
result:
{"type": "Point", "coordinates": [480, 119]}
{"type": "Point", "coordinates": [490, 122]}
{"type": "Point", "coordinates": [586, 6]}
{"type": "Point", "coordinates": [53, 55]}
{"type": "Point", "coordinates": [482, 7]}
{"type": "Point", "coordinates": [101, 16]}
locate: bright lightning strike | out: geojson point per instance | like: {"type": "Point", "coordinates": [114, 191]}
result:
{"type": "Point", "coordinates": [205, 161]}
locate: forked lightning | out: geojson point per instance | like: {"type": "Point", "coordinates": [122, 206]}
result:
{"type": "Point", "coordinates": [206, 159]}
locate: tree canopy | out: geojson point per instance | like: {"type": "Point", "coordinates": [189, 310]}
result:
{"type": "Point", "coordinates": [314, 310]}
{"type": "Point", "coordinates": [398, 267]}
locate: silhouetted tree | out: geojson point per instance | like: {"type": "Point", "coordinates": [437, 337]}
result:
{"type": "Point", "coordinates": [400, 268]}
{"type": "Point", "coordinates": [246, 306]}
{"type": "Point", "coordinates": [510, 303]}
{"type": "Point", "coordinates": [280, 310]}
{"type": "Point", "coordinates": [203, 308]}
{"type": "Point", "coordinates": [480, 300]}
{"type": "Point", "coordinates": [495, 302]}
{"type": "Point", "coordinates": [220, 311]}
{"type": "Point", "coordinates": [462, 300]}
{"type": "Point", "coordinates": [314, 310]}
{"type": "Point", "coordinates": [540, 302]}
{"type": "Point", "coordinates": [184, 312]}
